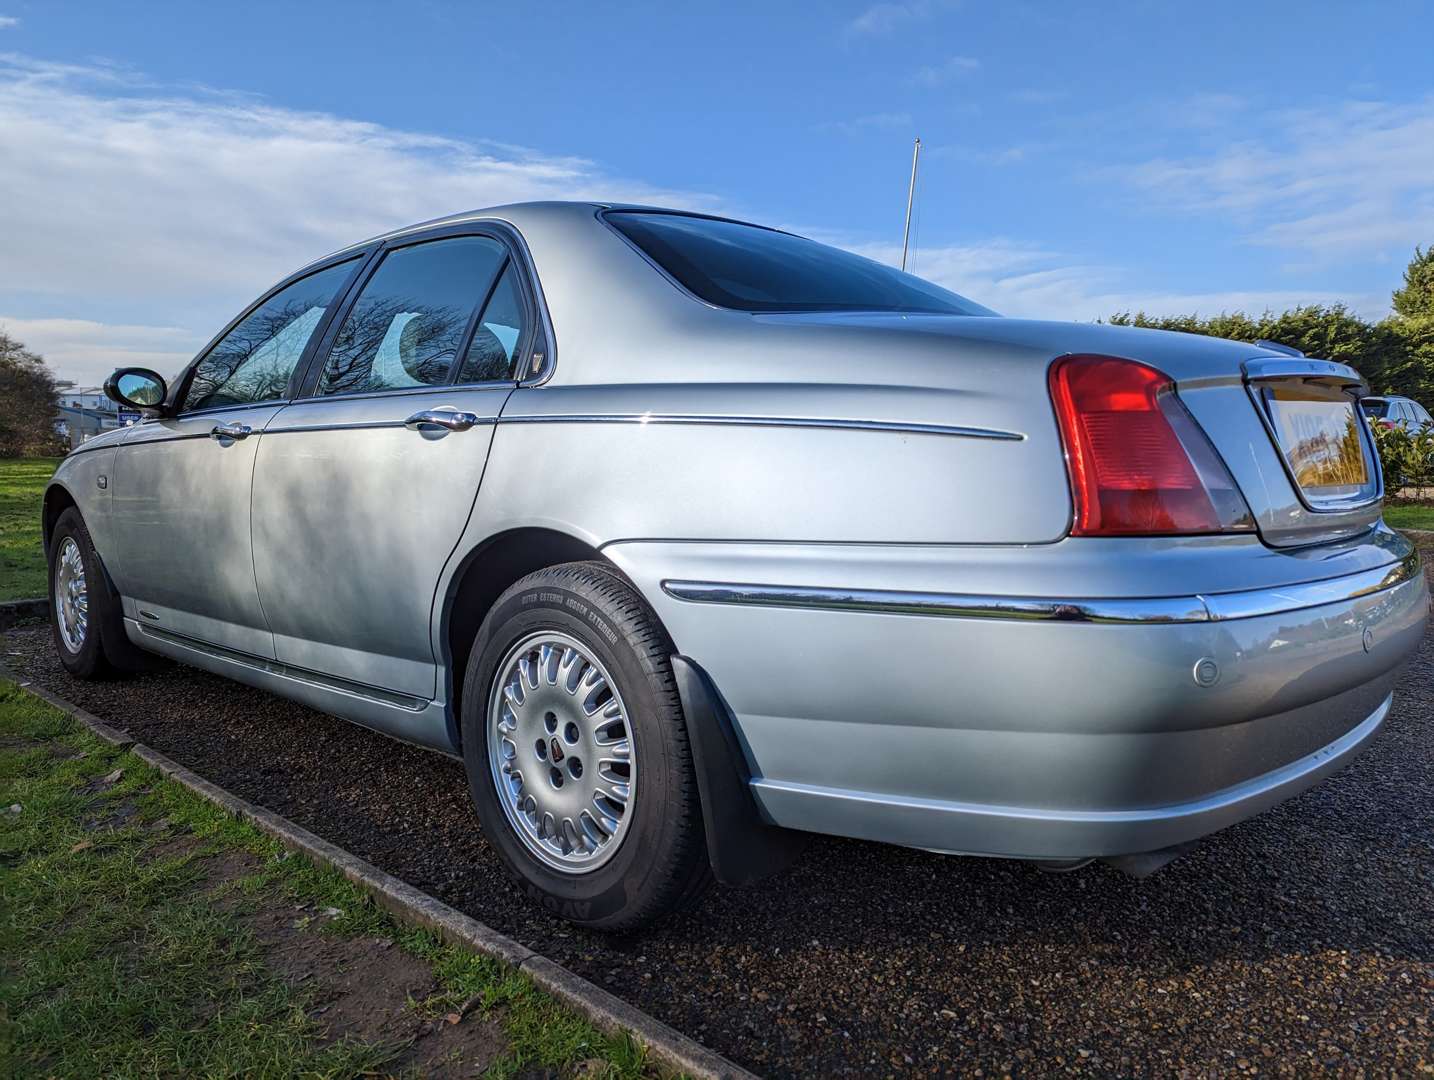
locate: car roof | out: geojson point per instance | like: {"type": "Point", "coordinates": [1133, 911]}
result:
{"type": "Point", "coordinates": [517, 213]}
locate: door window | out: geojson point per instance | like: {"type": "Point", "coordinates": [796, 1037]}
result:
{"type": "Point", "coordinates": [254, 361]}
{"type": "Point", "coordinates": [491, 354]}
{"type": "Point", "coordinates": [410, 320]}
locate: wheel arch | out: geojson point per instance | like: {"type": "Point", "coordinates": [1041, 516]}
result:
{"type": "Point", "coordinates": [482, 575]}
{"type": "Point", "coordinates": [57, 500]}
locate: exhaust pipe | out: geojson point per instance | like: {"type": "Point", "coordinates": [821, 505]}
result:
{"type": "Point", "coordinates": [1145, 863]}
{"type": "Point", "coordinates": [1140, 865]}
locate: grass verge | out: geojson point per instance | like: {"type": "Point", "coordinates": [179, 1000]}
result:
{"type": "Point", "coordinates": [1409, 515]}
{"type": "Point", "coordinates": [117, 958]}
{"type": "Point", "coordinates": [22, 563]}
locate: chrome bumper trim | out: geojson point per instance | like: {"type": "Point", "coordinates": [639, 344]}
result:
{"type": "Point", "coordinates": [1214, 607]}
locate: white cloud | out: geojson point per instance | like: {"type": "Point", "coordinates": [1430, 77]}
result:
{"type": "Point", "coordinates": [177, 208]}
{"type": "Point", "coordinates": [940, 74]}
{"type": "Point", "coordinates": [1033, 96]}
{"type": "Point", "coordinates": [1030, 282]}
{"type": "Point", "coordinates": [7, 21]}
{"type": "Point", "coordinates": [87, 351]}
{"type": "Point", "coordinates": [870, 122]}
{"type": "Point", "coordinates": [1351, 179]}
{"type": "Point", "coordinates": [992, 155]}
{"type": "Point", "coordinates": [884, 18]}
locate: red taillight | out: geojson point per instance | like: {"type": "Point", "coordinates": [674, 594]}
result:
{"type": "Point", "coordinates": [1138, 462]}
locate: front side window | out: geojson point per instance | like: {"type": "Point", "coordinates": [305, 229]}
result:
{"type": "Point", "coordinates": [254, 361]}
{"type": "Point", "coordinates": [749, 268]}
{"type": "Point", "coordinates": [408, 323]}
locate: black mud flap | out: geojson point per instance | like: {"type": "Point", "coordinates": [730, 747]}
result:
{"type": "Point", "coordinates": [741, 846]}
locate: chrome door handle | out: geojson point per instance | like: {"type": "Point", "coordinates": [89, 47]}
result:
{"type": "Point", "coordinates": [444, 418]}
{"type": "Point", "coordinates": [231, 430]}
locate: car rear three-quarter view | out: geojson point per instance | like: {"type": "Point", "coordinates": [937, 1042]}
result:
{"type": "Point", "coordinates": [691, 536]}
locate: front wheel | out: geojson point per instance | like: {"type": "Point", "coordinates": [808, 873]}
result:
{"type": "Point", "coordinates": [577, 751]}
{"type": "Point", "coordinates": [85, 619]}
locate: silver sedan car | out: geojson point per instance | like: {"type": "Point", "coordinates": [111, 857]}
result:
{"type": "Point", "coordinates": [692, 537]}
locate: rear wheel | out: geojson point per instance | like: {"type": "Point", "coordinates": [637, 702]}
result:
{"type": "Point", "coordinates": [86, 622]}
{"type": "Point", "coordinates": [577, 751]}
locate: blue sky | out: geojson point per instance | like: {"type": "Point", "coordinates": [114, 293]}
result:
{"type": "Point", "coordinates": [161, 163]}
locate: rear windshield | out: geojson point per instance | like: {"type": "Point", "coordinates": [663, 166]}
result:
{"type": "Point", "coordinates": [1375, 407]}
{"type": "Point", "coordinates": [750, 268]}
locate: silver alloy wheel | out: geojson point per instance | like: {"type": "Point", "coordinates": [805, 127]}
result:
{"type": "Point", "coordinates": [561, 752]}
{"type": "Point", "coordinates": [72, 599]}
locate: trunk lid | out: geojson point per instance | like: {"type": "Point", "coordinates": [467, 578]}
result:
{"type": "Point", "coordinates": [1291, 431]}
{"type": "Point", "coordinates": [1275, 419]}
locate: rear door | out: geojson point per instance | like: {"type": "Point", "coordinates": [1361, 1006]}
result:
{"type": "Point", "coordinates": [363, 486]}
{"type": "Point", "coordinates": [181, 553]}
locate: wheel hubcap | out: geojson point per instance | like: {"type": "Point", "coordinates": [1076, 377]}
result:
{"type": "Point", "coordinates": [561, 752]}
{"type": "Point", "coordinates": [72, 599]}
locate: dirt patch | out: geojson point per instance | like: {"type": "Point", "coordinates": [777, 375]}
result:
{"type": "Point", "coordinates": [369, 989]}
{"type": "Point", "coordinates": [364, 989]}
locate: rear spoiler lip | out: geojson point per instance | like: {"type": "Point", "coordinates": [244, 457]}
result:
{"type": "Point", "coordinates": [1272, 367]}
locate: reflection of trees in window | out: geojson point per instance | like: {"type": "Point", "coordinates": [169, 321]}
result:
{"type": "Point", "coordinates": [255, 360]}
{"type": "Point", "coordinates": [409, 320]}
{"type": "Point", "coordinates": [393, 342]}
{"type": "Point", "coordinates": [487, 360]}
{"type": "Point", "coordinates": [1328, 458]}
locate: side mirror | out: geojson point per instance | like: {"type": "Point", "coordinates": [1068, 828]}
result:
{"type": "Point", "coordinates": [137, 388]}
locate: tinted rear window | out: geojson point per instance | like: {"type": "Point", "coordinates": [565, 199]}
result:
{"type": "Point", "coordinates": [750, 268]}
{"type": "Point", "coordinates": [1375, 407]}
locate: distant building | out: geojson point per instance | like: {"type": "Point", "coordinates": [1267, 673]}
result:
{"type": "Point", "coordinates": [85, 412]}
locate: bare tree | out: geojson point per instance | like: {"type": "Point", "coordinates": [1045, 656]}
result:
{"type": "Point", "coordinates": [28, 402]}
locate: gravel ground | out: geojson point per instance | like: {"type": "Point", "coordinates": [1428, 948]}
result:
{"type": "Point", "coordinates": [1299, 942]}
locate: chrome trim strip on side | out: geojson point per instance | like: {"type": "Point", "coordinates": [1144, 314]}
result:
{"type": "Point", "coordinates": [944, 605]}
{"type": "Point", "coordinates": [1215, 607]}
{"type": "Point", "coordinates": [288, 671]}
{"type": "Point", "coordinates": [357, 426]}
{"type": "Point", "coordinates": [901, 427]}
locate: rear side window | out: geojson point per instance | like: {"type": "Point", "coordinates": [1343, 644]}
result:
{"type": "Point", "coordinates": [495, 340]}
{"type": "Point", "coordinates": [410, 320]}
{"type": "Point", "coordinates": [254, 361]}
{"type": "Point", "coordinates": [749, 268]}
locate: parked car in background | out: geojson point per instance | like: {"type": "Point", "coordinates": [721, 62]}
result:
{"type": "Point", "coordinates": [1394, 411]}
{"type": "Point", "coordinates": [691, 537]}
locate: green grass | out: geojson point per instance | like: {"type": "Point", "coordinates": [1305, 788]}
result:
{"type": "Point", "coordinates": [1409, 515]}
{"type": "Point", "coordinates": [22, 563]}
{"type": "Point", "coordinates": [116, 960]}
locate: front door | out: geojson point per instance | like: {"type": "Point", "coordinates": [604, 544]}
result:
{"type": "Point", "coordinates": [363, 488]}
{"type": "Point", "coordinates": [182, 556]}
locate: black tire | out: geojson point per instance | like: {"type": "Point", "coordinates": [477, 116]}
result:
{"type": "Point", "coordinates": [105, 652]}
{"type": "Point", "coordinates": [661, 861]}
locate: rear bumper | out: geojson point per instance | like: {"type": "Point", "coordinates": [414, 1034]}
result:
{"type": "Point", "coordinates": [1097, 727]}
{"type": "Point", "coordinates": [1052, 833]}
